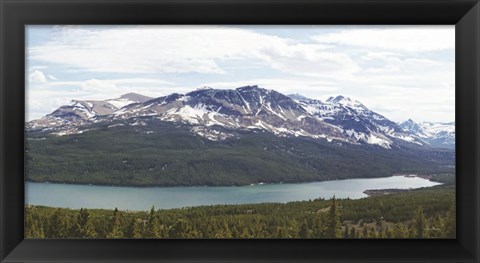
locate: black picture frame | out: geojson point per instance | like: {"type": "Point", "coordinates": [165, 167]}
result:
{"type": "Point", "coordinates": [15, 14]}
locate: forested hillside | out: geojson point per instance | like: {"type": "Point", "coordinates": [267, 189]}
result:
{"type": "Point", "coordinates": [172, 156]}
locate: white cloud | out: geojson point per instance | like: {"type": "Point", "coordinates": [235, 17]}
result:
{"type": "Point", "coordinates": [414, 38]}
{"type": "Point", "coordinates": [309, 60]}
{"type": "Point", "coordinates": [37, 77]}
{"type": "Point", "coordinates": [395, 64]}
{"type": "Point", "coordinates": [402, 72]}
{"type": "Point", "coordinates": [181, 49]}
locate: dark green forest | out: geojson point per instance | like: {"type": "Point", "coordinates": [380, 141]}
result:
{"type": "Point", "coordinates": [421, 213]}
{"type": "Point", "coordinates": [173, 156]}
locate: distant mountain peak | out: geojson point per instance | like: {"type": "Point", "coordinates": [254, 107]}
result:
{"type": "Point", "coordinates": [340, 99]}
{"type": "Point", "coordinates": [346, 101]}
{"type": "Point", "coordinates": [204, 88]}
{"type": "Point", "coordinates": [411, 126]}
{"type": "Point", "coordinates": [250, 88]}
{"type": "Point", "coordinates": [337, 98]}
{"type": "Point", "coordinates": [438, 134]}
{"type": "Point", "coordinates": [130, 94]}
{"type": "Point", "coordinates": [298, 96]}
{"type": "Point", "coordinates": [135, 97]}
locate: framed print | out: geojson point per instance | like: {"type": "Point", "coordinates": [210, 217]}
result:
{"type": "Point", "coordinates": [240, 131]}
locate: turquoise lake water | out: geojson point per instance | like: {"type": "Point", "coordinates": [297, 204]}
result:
{"type": "Point", "coordinates": [142, 198]}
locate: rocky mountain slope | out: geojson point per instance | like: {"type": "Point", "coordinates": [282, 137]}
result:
{"type": "Point", "coordinates": [339, 119]}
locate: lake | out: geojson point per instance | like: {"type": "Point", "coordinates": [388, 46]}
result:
{"type": "Point", "coordinates": [142, 198]}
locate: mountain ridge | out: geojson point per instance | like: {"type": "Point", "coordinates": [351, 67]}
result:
{"type": "Point", "coordinates": [436, 134]}
{"type": "Point", "coordinates": [246, 108]}
{"type": "Point", "coordinates": [210, 136]}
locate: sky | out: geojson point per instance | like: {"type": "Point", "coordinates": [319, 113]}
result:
{"type": "Point", "coordinates": [400, 72]}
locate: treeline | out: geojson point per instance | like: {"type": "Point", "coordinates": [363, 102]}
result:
{"type": "Point", "coordinates": [425, 213]}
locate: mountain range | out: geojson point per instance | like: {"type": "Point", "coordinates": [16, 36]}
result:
{"type": "Point", "coordinates": [211, 111]}
{"type": "Point", "coordinates": [242, 136]}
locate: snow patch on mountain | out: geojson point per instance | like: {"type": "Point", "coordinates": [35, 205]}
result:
{"type": "Point", "coordinates": [120, 103]}
{"type": "Point", "coordinates": [211, 134]}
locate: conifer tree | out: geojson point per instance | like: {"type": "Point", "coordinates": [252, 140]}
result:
{"type": "Point", "coordinates": [57, 225]}
{"type": "Point", "coordinates": [84, 227]}
{"type": "Point", "coordinates": [333, 228]}
{"type": "Point", "coordinates": [244, 232]}
{"type": "Point", "coordinates": [152, 230]}
{"type": "Point", "coordinates": [292, 229]}
{"type": "Point", "coordinates": [388, 233]}
{"type": "Point", "coordinates": [449, 224]}
{"type": "Point", "coordinates": [258, 227]}
{"type": "Point", "coordinates": [33, 229]}
{"type": "Point", "coordinates": [372, 233]}
{"type": "Point", "coordinates": [399, 231]}
{"type": "Point", "coordinates": [419, 223]}
{"type": "Point", "coordinates": [319, 227]}
{"type": "Point", "coordinates": [365, 231]}
{"type": "Point", "coordinates": [115, 226]}
{"type": "Point", "coordinates": [304, 230]}
{"type": "Point", "coordinates": [134, 230]}
{"type": "Point", "coordinates": [179, 229]}
{"type": "Point", "coordinates": [436, 227]}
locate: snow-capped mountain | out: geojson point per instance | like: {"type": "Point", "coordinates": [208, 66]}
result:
{"type": "Point", "coordinates": [67, 118]}
{"type": "Point", "coordinates": [437, 134]}
{"type": "Point", "coordinates": [356, 120]}
{"type": "Point", "coordinates": [217, 113]}
{"type": "Point", "coordinates": [246, 108]}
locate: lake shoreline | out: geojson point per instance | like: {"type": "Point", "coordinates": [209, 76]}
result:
{"type": "Point", "coordinates": [141, 198]}
{"type": "Point", "coordinates": [379, 192]}
{"type": "Point", "coordinates": [427, 177]}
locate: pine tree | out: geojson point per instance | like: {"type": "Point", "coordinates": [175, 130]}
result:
{"type": "Point", "coordinates": [419, 223]}
{"type": "Point", "coordinates": [388, 233]}
{"type": "Point", "coordinates": [179, 229]}
{"type": "Point", "coordinates": [449, 224]}
{"type": "Point", "coordinates": [133, 229]}
{"type": "Point", "coordinates": [84, 227]}
{"type": "Point", "coordinates": [259, 228]}
{"type": "Point", "coordinates": [33, 229]}
{"type": "Point", "coordinates": [333, 228]}
{"type": "Point", "coordinates": [57, 225]}
{"type": "Point", "coordinates": [304, 230]}
{"type": "Point", "coordinates": [365, 231]}
{"type": "Point", "coordinates": [115, 226]}
{"type": "Point", "coordinates": [319, 227]}
{"type": "Point", "coordinates": [152, 230]}
{"type": "Point", "coordinates": [399, 231]}
{"type": "Point", "coordinates": [372, 233]}
{"type": "Point", "coordinates": [244, 232]}
{"type": "Point", "coordinates": [431, 230]}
